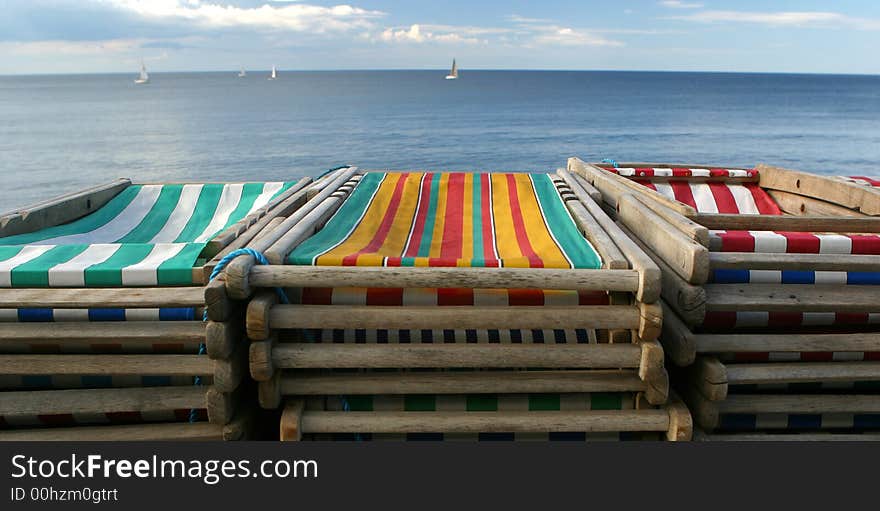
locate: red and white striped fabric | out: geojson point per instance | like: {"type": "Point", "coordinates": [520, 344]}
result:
{"type": "Point", "coordinates": [443, 297]}
{"type": "Point", "coordinates": [770, 242]}
{"type": "Point", "coordinates": [728, 198]}
{"type": "Point", "coordinates": [862, 180]}
{"type": "Point", "coordinates": [723, 320]}
{"type": "Point", "coordinates": [680, 172]}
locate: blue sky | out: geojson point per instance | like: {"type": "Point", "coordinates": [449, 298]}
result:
{"type": "Point", "coordinates": [72, 36]}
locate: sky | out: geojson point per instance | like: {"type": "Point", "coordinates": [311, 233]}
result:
{"type": "Point", "coordinates": [94, 36]}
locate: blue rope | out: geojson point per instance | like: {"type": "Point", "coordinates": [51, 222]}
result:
{"type": "Point", "coordinates": [612, 162]}
{"type": "Point", "coordinates": [224, 262]}
{"type": "Point", "coordinates": [346, 407]}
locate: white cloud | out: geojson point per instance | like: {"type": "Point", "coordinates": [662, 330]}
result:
{"type": "Point", "coordinates": [785, 18]}
{"type": "Point", "coordinates": [415, 34]}
{"type": "Point", "coordinates": [678, 4]}
{"type": "Point", "coordinates": [296, 17]}
{"type": "Point", "coordinates": [565, 36]}
{"type": "Point", "coordinates": [70, 48]}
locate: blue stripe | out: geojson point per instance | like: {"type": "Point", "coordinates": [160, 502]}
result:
{"type": "Point", "coordinates": [738, 421]}
{"type": "Point", "coordinates": [805, 421]}
{"type": "Point", "coordinates": [729, 276]}
{"type": "Point", "coordinates": [156, 381]}
{"type": "Point", "coordinates": [863, 278]}
{"type": "Point", "coordinates": [35, 315]}
{"type": "Point", "coordinates": [97, 381]}
{"type": "Point", "coordinates": [866, 420]}
{"type": "Point", "coordinates": [106, 314]}
{"type": "Point", "coordinates": [177, 314]}
{"type": "Point", "coordinates": [37, 381]}
{"type": "Point", "coordinates": [798, 277]}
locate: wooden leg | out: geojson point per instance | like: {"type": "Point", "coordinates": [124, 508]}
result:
{"type": "Point", "coordinates": [291, 421]}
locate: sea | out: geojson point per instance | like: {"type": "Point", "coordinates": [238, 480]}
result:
{"type": "Point", "coordinates": [63, 133]}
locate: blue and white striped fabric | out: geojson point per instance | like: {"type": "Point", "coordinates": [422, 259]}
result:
{"type": "Point", "coordinates": [719, 276]}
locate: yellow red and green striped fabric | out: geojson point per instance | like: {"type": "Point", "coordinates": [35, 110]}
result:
{"type": "Point", "coordinates": [451, 219]}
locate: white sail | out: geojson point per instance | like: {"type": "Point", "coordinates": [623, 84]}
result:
{"type": "Point", "coordinates": [143, 77]}
{"type": "Point", "coordinates": [453, 74]}
{"type": "Point", "coordinates": [241, 73]}
{"type": "Point", "coordinates": [274, 74]}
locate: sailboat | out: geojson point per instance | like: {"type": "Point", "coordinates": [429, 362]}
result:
{"type": "Point", "coordinates": [453, 74]}
{"type": "Point", "coordinates": [144, 77]}
{"type": "Point", "coordinates": [274, 74]}
{"type": "Point", "coordinates": [242, 74]}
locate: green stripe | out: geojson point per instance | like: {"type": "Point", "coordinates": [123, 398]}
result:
{"type": "Point", "coordinates": [477, 212]}
{"type": "Point", "coordinates": [249, 194]}
{"type": "Point", "coordinates": [562, 226]}
{"type": "Point", "coordinates": [428, 233]}
{"type": "Point", "coordinates": [209, 199]}
{"type": "Point", "coordinates": [86, 224]}
{"type": "Point", "coordinates": [606, 401]}
{"type": "Point", "coordinates": [544, 402]}
{"type": "Point", "coordinates": [482, 403]}
{"type": "Point", "coordinates": [342, 223]}
{"type": "Point", "coordinates": [35, 273]}
{"type": "Point", "coordinates": [157, 217]}
{"type": "Point", "coordinates": [109, 273]}
{"type": "Point", "coordinates": [177, 271]}
{"type": "Point", "coordinates": [360, 403]}
{"type": "Point", "coordinates": [9, 252]}
{"type": "Point", "coordinates": [420, 403]}
{"type": "Point", "coordinates": [286, 186]}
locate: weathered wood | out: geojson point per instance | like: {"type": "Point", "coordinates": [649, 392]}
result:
{"type": "Point", "coordinates": [105, 365]}
{"type": "Point", "coordinates": [678, 341]}
{"type": "Point", "coordinates": [475, 422]}
{"type": "Point", "coordinates": [710, 377]}
{"type": "Point", "coordinates": [269, 392]}
{"type": "Point", "coordinates": [791, 298]}
{"type": "Point", "coordinates": [222, 405]}
{"type": "Point", "coordinates": [257, 319]}
{"type": "Point", "coordinates": [685, 225]}
{"type": "Point", "coordinates": [222, 338]}
{"type": "Point", "coordinates": [740, 222]}
{"type": "Point", "coordinates": [115, 332]}
{"type": "Point", "coordinates": [800, 403]}
{"type": "Point", "coordinates": [217, 300]}
{"type": "Point", "coordinates": [796, 342]}
{"type": "Point", "coordinates": [649, 273]}
{"type": "Point", "coordinates": [376, 356]}
{"type": "Point", "coordinates": [864, 199]}
{"type": "Point", "coordinates": [60, 210]}
{"type": "Point", "coordinates": [277, 253]}
{"type": "Point", "coordinates": [99, 401]}
{"type": "Point", "coordinates": [291, 421]}
{"type": "Point", "coordinates": [134, 297]}
{"type": "Point", "coordinates": [463, 317]}
{"type": "Point", "coordinates": [794, 204]}
{"type": "Point", "coordinates": [651, 372]}
{"type": "Point", "coordinates": [174, 431]}
{"type": "Point", "coordinates": [262, 368]}
{"type": "Point", "coordinates": [797, 262]}
{"type": "Point", "coordinates": [230, 372]}
{"type": "Point", "coordinates": [684, 255]}
{"type": "Point", "coordinates": [476, 382]}
{"type": "Point", "coordinates": [688, 300]}
{"type": "Point", "coordinates": [471, 278]}
{"type": "Point", "coordinates": [650, 321]}
{"type": "Point", "coordinates": [590, 190]}
{"type": "Point", "coordinates": [801, 372]}
{"type": "Point", "coordinates": [681, 425]}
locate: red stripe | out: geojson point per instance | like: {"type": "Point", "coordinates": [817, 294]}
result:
{"type": "Point", "coordinates": [817, 356]}
{"type": "Point", "coordinates": [646, 184]}
{"type": "Point", "coordinates": [737, 241]}
{"type": "Point", "coordinates": [421, 214]}
{"type": "Point", "coordinates": [720, 319]}
{"type": "Point", "coordinates": [385, 227]}
{"type": "Point", "coordinates": [487, 221]}
{"type": "Point", "coordinates": [766, 205]}
{"type": "Point", "coordinates": [800, 243]}
{"type": "Point", "coordinates": [865, 244]}
{"type": "Point", "coordinates": [58, 419]}
{"type": "Point", "coordinates": [525, 297]}
{"type": "Point", "coordinates": [644, 172]}
{"type": "Point", "coordinates": [872, 181]}
{"type": "Point", "coordinates": [679, 172]}
{"type": "Point", "coordinates": [850, 318]}
{"type": "Point", "coordinates": [455, 297]}
{"type": "Point", "coordinates": [784, 319]}
{"type": "Point", "coordinates": [872, 355]}
{"type": "Point", "coordinates": [683, 193]}
{"type": "Point", "coordinates": [519, 226]}
{"type": "Point", "coordinates": [719, 173]}
{"type": "Point", "coordinates": [317, 296]}
{"type": "Point", "coordinates": [724, 201]}
{"type": "Point", "coordinates": [124, 417]}
{"type": "Point", "coordinates": [593, 298]}
{"type": "Point", "coordinates": [752, 357]}
{"type": "Point", "coordinates": [450, 246]}
{"type": "Point", "coordinates": [384, 296]}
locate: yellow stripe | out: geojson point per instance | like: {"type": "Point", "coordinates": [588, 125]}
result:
{"type": "Point", "coordinates": [395, 243]}
{"type": "Point", "coordinates": [467, 238]}
{"type": "Point", "coordinates": [505, 237]}
{"type": "Point", "coordinates": [440, 221]}
{"type": "Point", "coordinates": [365, 231]}
{"type": "Point", "coordinates": [539, 237]}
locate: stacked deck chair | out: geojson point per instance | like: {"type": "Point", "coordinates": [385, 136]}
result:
{"type": "Point", "coordinates": [770, 292]}
{"type": "Point", "coordinates": [431, 305]}
{"type": "Point", "coordinates": [102, 304]}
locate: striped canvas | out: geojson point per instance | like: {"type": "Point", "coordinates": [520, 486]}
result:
{"type": "Point", "coordinates": [826, 387]}
{"type": "Point", "coordinates": [54, 381]}
{"type": "Point", "coordinates": [727, 276]}
{"type": "Point", "coordinates": [722, 320]}
{"type": "Point", "coordinates": [799, 422]}
{"type": "Point", "coordinates": [451, 219]}
{"type": "Point", "coordinates": [793, 242]}
{"type": "Point", "coordinates": [679, 172]}
{"type": "Point", "coordinates": [147, 235]}
{"type": "Point", "coordinates": [862, 180]}
{"type": "Point", "coordinates": [478, 403]}
{"type": "Point", "coordinates": [62, 315]}
{"type": "Point", "coordinates": [796, 356]}
{"type": "Point", "coordinates": [84, 419]}
{"type": "Point", "coordinates": [718, 197]}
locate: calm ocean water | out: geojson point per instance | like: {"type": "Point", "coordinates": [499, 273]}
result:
{"type": "Point", "coordinates": [60, 133]}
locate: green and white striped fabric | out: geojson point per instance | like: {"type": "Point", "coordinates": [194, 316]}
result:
{"type": "Point", "coordinates": [147, 235]}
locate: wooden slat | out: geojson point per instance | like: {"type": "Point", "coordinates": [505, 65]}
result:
{"type": "Point", "coordinates": [106, 365]}
{"type": "Point", "coordinates": [136, 297]}
{"type": "Point", "coordinates": [462, 317]}
{"type": "Point", "coordinates": [798, 372]}
{"type": "Point", "coordinates": [740, 222]}
{"type": "Point", "coordinates": [98, 401]}
{"type": "Point", "coordinates": [500, 382]}
{"type": "Point", "coordinates": [416, 277]}
{"type": "Point", "coordinates": [117, 332]}
{"type": "Point", "coordinates": [791, 298]}
{"type": "Point", "coordinates": [376, 356]}
{"type": "Point", "coordinates": [477, 422]}
{"type": "Point", "coordinates": [800, 403]}
{"type": "Point", "coordinates": [864, 199]}
{"type": "Point", "coordinates": [793, 342]}
{"type": "Point", "coordinates": [798, 262]}
{"type": "Point", "coordinates": [179, 432]}
{"type": "Point", "coordinates": [794, 204]}
{"type": "Point", "coordinates": [60, 210]}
